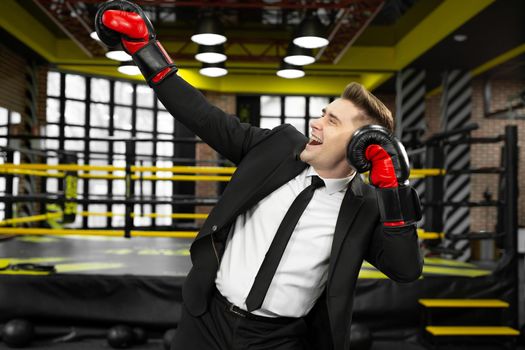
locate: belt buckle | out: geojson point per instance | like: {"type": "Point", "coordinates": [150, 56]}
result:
{"type": "Point", "coordinates": [233, 310]}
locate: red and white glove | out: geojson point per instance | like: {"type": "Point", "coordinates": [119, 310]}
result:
{"type": "Point", "coordinates": [123, 22]}
{"type": "Point", "coordinates": [373, 148]}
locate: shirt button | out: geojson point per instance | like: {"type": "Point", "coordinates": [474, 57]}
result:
{"type": "Point", "coordinates": [214, 228]}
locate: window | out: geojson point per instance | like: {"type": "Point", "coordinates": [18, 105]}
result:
{"type": "Point", "coordinates": [8, 184]}
{"type": "Point", "coordinates": [84, 114]}
{"type": "Point", "coordinates": [53, 84]}
{"type": "Point", "coordinates": [100, 90]}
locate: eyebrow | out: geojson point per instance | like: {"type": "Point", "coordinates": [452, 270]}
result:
{"type": "Point", "coordinates": [331, 115]}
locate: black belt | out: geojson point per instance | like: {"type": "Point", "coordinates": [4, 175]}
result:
{"type": "Point", "coordinates": [229, 307]}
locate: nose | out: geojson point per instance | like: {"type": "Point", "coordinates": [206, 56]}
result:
{"type": "Point", "coordinates": [316, 124]}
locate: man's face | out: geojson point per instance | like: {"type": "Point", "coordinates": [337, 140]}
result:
{"type": "Point", "coordinates": [329, 137]}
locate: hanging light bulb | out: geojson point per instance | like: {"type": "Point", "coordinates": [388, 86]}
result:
{"type": "Point", "coordinates": [118, 55]}
{"type": "Point", "coordinates": [213, 70]}
{"type": "Point", "coordinates": [311, 33]}
{"type": "Point", "coordinates": [211, 54]}
{"type": "Point", "coordinates": [289, 71]}
{"type": "Point", "coordinates": [209, 31]}
{"type": "Point", "coordinates": [299, 56]}
{"type": "Point", "coordinates": [128, 68]}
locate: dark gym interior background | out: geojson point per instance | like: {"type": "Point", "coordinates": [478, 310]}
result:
{"type": "Point", "coordinates": [451, 71]}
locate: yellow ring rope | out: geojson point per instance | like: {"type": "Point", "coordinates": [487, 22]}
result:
{"type": "Point", "coordinates": [111, 168]}
{"type": "Point", "coordinates": [109, 233]}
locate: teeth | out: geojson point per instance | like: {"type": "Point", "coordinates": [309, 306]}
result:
{"type": "Point", "coordinates": [315, 138]}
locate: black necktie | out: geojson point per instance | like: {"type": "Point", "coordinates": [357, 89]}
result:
{"type": "Point", "coordinates": [275, 252]}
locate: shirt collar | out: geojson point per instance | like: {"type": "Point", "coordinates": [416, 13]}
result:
{"type": "Point", "coordinates": [332, 185]}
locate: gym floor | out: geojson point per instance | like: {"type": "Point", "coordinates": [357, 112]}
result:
{"type": "Point", "coordinates": [141, 257]}
{"type": "Point", "coordinates": [101, 255]}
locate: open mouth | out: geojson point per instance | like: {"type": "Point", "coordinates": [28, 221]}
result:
{"type": "Point", "coordinates": [314, 140]}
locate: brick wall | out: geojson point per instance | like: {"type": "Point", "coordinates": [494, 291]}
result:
{"type": "Point", "coordinates": [432, 115]}
{"type": "Point", "coordinates": [13, 94]}
{"type": "Point", "coordinates": [13, 68]}
{"type": "Point", "coordinates": [42, 93]}
{"type": "Point", "coordinates": [486, 155]}
{"type": "Point", "coordinates": [12, 88]}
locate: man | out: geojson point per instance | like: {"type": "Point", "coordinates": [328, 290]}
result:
{"type": "Point", "coordinates": [276, 262]}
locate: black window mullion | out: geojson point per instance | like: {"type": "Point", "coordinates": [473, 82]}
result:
{"type": "Point", "coordinates": [153, 183]}
{"type": "Point", "coordinates": [111, 133]}
{"type": "Point", "coordinates": [62, 122]}
{"type": "Point", "coordinates": [282, 109]}
{"type": "Point", "coordinates": [133, 137]}
{"type": "Point", "coordinates": [85, 187]}
{"type": "Point", "coordinates": [8, 206]}
{"type": "Point", "coordinates": [174, 186]}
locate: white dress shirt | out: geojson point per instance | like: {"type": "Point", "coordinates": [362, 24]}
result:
{"type": "Point", "coordinates": [303, 269]}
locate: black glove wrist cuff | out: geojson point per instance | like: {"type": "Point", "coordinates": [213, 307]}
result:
{"type": "Point", "coordinates": [398, 204]}
{"type": "Point", "coordinates": [151, 60]}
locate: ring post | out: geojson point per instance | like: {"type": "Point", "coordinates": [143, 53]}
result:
{"type": "Point", "coordinates": [9, 186]}
{"type": "Point", "coordinates": [70, 190]}
{"type": "Point", "coordinates": [434, 193]}
{"type": "Point", "coordinates": [511, 212]}
{"type": "Point", "coordinates": [130, 188]}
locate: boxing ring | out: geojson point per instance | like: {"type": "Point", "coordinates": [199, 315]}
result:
{"type": "Point", "coordinates": [133, 275]}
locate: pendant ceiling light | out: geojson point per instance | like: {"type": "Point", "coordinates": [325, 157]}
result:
{"type": "Point", "coordinates": [289, 71]}
{"type": "Point", "coordinates": [311, 33]}
{"type": "Point", "coordinates": [118, 55]}
{"type": "Point", "coordinates": [209, 31]}
{"type": "Point", "coordinates": [128, 68]}
{"type": "Point", "coordinates": [299, 56]}
{"type": "Point", "coordinates": [211, 54]}
{"type": "Point", "coordinates": [213, 70]}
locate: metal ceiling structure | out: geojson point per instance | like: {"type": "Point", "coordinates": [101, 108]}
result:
{"type": "Point", "coordinates": [370, 40]}
{"type": "Point", "coordinates": [345, 20]}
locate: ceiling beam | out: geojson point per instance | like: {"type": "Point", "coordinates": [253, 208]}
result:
{"type": "Point", "coordinates": [498, 60]}
{"type": "Point", "coordinates": [19, 23]}
{"type": "Point", "coordinates": [370, 65]}
{"type": "Point", "coordinates": [73, 22]}
{"type": "Point", "coordinates": [482, 68]}
{"type": "Point", "coordinates": [352, 22]}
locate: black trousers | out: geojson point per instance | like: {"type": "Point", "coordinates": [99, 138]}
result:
{"type": "Point", "coordinates": [222, 328]}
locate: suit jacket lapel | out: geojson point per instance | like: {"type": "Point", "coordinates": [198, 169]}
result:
{"type": "Point", "coordinates": [289, 168]}
{"type": "Point", "coordinates": [350, 206]}
{"type": "Point", "coordinates": [286, 171]}
{"type": "Point", "coordinates": [240, 201]}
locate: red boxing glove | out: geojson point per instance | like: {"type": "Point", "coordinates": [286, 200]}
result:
{"type": "Point", "coordinates": [382, 173]}
{"type": "Point", "coordinates": [120, 21]}
{"type": "Point", "coordinates": [131, 25]}
{"type": "Point", "coordinates": [372, 148]}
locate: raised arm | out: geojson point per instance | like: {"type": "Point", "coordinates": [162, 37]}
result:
{"type": "Point", "coordinates": [394, 246]}
{"type": "Point", "coordinates": [121, 21]}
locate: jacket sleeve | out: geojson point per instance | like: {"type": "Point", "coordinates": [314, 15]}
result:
{"type": "Point", "coordinates": [395, 252]}
{"type": "Point", "coordinates": [223, 132]}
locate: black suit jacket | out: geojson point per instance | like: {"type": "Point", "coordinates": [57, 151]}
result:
{"type": "Point", "coordinates": [266, 159]}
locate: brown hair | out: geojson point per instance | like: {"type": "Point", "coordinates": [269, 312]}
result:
{"type": "Point", "coordinates": [373, 109]}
